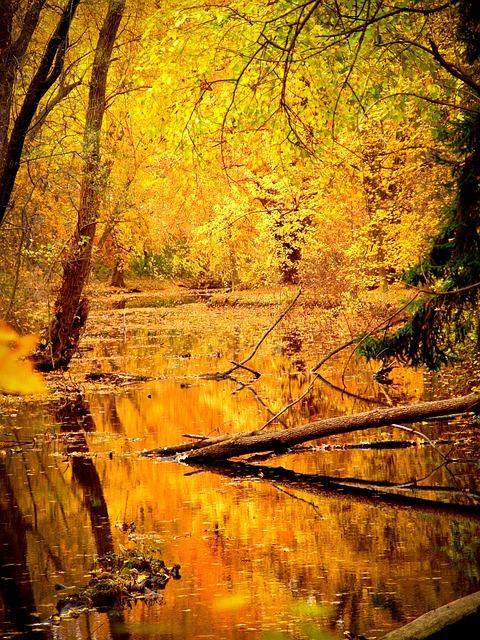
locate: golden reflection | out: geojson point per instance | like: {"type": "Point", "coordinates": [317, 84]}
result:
{"type": "Point", "coordinates": [260, 558]}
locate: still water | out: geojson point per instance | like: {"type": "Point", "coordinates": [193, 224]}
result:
{"type": "Point", "coordinates": [262, 557]}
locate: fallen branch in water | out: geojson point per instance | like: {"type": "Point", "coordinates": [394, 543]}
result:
{"type": "Point", "coordinates": [241, 365]}
{"type": "Point", "coordinates": [229, 446]}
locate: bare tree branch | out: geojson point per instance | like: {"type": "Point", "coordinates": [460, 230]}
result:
{"type": "Point", "coordinates": [238, 365]}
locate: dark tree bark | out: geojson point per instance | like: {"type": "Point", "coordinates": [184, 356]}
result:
{"type": "Point", "coordinates": [225, 447]}
{"type": "Point", "coordinates": [71, 309]}
{"type": "Point", "coordinates": [118, 275]}
{"type": "Point", "coordinates": [47, 73]}
{"type": "Point", "coordinates": [12, 53]}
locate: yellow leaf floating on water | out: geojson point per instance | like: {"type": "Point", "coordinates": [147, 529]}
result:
{"type": "Point", "coordinates": [17, 376]}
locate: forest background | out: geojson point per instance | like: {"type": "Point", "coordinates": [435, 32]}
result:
{"type": "Point", "coordinates": [239, 145]}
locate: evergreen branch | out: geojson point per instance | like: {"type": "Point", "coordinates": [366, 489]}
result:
{"type": "Point", "coordinates": [448, 293]}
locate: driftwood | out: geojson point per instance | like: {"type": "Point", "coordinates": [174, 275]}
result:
{"type": "Point", "coordinates": [225, 447]}
{"type": "Point", "coordinates": [457, 619]}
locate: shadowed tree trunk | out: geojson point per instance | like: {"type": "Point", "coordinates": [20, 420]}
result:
{"type": "Point", "coordinates": [71, 309]}
{"type": "Point", "coordinates": [49, 69]}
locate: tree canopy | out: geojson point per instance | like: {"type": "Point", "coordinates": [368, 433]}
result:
{"type": "Point", "coordinates": [244, 143]}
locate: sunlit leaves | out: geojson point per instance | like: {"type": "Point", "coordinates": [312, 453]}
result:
{"type": "Point", "coordinates": [213, 107]}
{"type": "Point", "coordinates": [16, 374]}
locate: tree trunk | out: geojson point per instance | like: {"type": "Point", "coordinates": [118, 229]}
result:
{"type": "Point", "coordinates": [12, 53]}
{"type": "Point", "coordinates": [291, 262]}
{"type": "Point", "coordinates": [457, 619]}
{"type": "Point", "coordinates": [225, 447]}
{"type": "Point", "coordinates": [46, 74]}
{"type": "Point", "coordinates": [71, 310]}
{"type": "Point", "coordinates": [118, 279]}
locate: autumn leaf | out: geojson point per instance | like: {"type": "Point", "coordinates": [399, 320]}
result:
{"type": "Point", "coordinates": [17, 375]}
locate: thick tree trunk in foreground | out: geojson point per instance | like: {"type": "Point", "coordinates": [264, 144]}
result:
{"type": "Point", "coordinates": [71, 310]}
{"type": "Point", "coordinates": [457, 619]}
{"type": "Point", "coordinates": [225, 447]}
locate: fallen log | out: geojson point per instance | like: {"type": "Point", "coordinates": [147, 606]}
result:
{"type": "Point", "coordinates": [457, 619]}
{"type": "Point", "coordinates": [225, 447]}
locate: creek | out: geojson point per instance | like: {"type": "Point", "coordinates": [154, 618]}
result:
{"type": "Point", "coordinates": [260, 558]}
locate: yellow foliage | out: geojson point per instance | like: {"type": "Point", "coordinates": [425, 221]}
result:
{"type": "Point", "coordinates": [17, 376]}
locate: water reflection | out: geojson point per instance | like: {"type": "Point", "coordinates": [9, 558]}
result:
{"type": "Point", "coordinates": [16, 590]}
{"type": "Point", "coordinates": [261, 551]}
{"type": "Point", "coordinates": [75, 418]}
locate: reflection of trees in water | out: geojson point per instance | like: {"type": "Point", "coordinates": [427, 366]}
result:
{"type": "Point", "coordinates": [75, 417]}
{"type": "Point", "coordinates": [111, 414]}
{"type": "Point", "coordinates": [364, 527]}
{"type": "Point", "coordinates": [16, 589]}
{"type": "Point", "coordinates": [15, 581]}
{"type": "Point", "coordinates": [292, 344]}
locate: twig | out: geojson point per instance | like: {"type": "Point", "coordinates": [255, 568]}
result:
{"type": "Point", "coordinates": [240, 365]}
{"type": "Point", "coordinates": [414, 482]}
{"type": "Point", "coordinates": [422, 435]}
{"type": "Point", "coordinates": [271, 328]}
{"type": "Point", "coordinates": [316, 376]}
{"type": "Point", "coordinates": [343, 391]}
{"type": "Point", "coordinates": [332, 353]}
{"type": "Point", "coordinates": [383, 325]}
{"type": "Point", "coordinates": [291, 404]}
{"type": "Point", "coordinates": [309, 502]}
{"type": "Point", "coordinates": [261, 402]}
{"type": "Point", "coordinates": [387, 397]}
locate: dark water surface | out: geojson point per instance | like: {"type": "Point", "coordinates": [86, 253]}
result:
{"type": "Point", "coordinates": [263, 557]}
